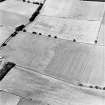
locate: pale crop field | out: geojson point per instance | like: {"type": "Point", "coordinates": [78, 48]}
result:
{"type": "Point", "coordinates": [75, 9]}
{"type": "Point", "coordinates": [59, 57]}
{"type": "Point", "coordinates": [8, 99]}
{"type": "Point", "coordinates": [66, 28]}
{"type": "Point", "coordinates": [12, 19]}
{"type": "Point", "coordinates": [62, 59]}
{"type": "Point", "coordinates": [18, 7]}
{"type": "Point", "coordinates": [46, 90]}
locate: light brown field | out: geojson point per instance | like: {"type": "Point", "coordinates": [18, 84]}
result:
{"type": "Point", "coordinates": [62, 59]}
{"type": "Point", "coordinates": [46, 90]}
{"type": "Point", "coordinates": [18, 7]}
{"type": "Point", "coordinates": [76, 9]}
{"type": "Point", "coordinates": [48, 70]}
{"type": "Point", "coordinates": [69, 29]}
{"type": "Point", "coordinates": [12, 19]}
{"type": "Point", "coordinates": [8, 99]}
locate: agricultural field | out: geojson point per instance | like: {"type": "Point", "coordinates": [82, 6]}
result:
{"type": "Point", "coordinates": [8, 99]}
{"type": "Point", "coordinates": [18, 7]}
{"type": "Point", "coordinates": [52, 52]}
{"type": "Point", "coordinates": [72, 62]}
{"type": "Point", "coordinates": [75, 9]}
{"type": "Point", "coordinates": [44, 90]}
